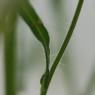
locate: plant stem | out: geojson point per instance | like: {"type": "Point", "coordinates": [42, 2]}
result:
{"type": "Point", "coordinates": [9, 35]}
{"type": "Point", "coordinates": [9, 64]}
{"type": "Point", "coordinates": [66, 41]}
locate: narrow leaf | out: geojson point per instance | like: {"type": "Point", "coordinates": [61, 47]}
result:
{"type": "Point", "coordinates": [66, 42]}
{"type": "Point", "coordinates": [67, 39]}
{"type": "Point", "coordinates": [30, 16]}
{"type": "Point", "coordinates": [32, 19]}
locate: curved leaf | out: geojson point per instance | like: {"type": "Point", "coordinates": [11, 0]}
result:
{"type": "Point", "coordinates": [34, 22]}
{"type": "Point", "coordinates": [32, 19]}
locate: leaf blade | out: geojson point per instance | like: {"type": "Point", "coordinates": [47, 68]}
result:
{"type": "Point", "coordinates": [34, 22]}
{"type": "Point", "coordinates": [30, 16]}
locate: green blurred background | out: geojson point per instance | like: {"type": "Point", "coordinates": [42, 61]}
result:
{"type": "Point", "coordinates": [75, 75]}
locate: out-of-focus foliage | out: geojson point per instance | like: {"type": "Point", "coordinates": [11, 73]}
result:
{"type": "Point", "coordinates": [28, 68]}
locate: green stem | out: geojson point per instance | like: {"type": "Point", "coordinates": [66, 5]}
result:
{"type": "Point", "coordinates": [66, 41]}
{"type": "Point", "coordinates": [10, 54]}
{"type": "Point", "coordinates": [45, 76]}
{"type": "Point", "coordinates": [9, 64]}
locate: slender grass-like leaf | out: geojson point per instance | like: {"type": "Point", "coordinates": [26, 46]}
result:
{"type": "Point", "coordinates": [30, 16]}
{"type": "Point", "coordinates": [32, 19]}
{"type": "Point", "coordinates": [66, 41]}
{"type": "Point", "coordinates": [70, 32]}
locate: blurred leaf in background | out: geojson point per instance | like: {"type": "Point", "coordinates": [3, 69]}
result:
{"type": "Point", "coordinates": [9, 26]}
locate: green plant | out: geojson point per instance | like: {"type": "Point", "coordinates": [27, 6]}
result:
{"type": "Point", "coordinates": [29, 15]}
{"type": "Point", "coordinates": [41, 33]}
